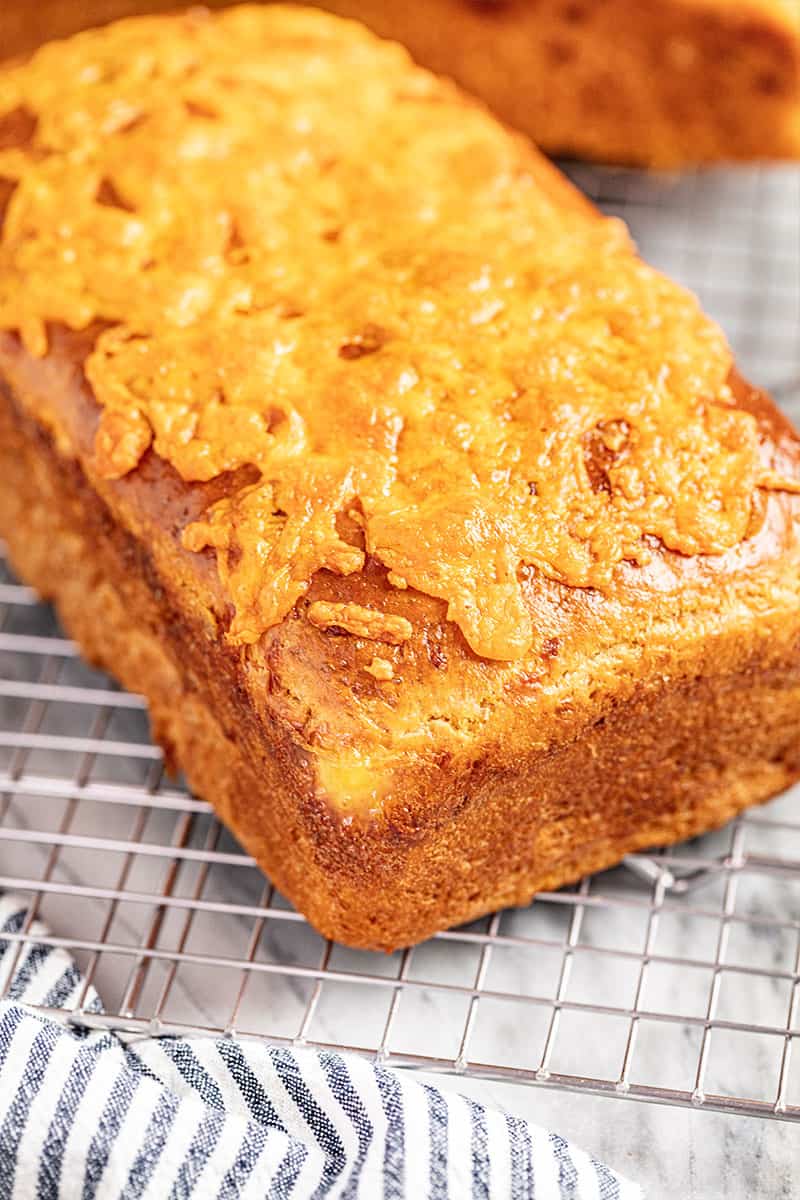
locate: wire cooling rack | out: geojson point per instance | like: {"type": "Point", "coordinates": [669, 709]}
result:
{"type": "Point", "coordinates": [673, 978]}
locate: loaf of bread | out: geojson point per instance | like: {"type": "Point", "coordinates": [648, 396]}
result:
{"type": "Point", "coordinates": [654, 82]}
{"type": "Point", "coordinates": [660, 83]}
{"type": "Point", "coordinates": [453, 556]}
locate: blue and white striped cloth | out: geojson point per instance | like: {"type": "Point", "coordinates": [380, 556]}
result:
{"type": "Point", "coordinates": [84, 1115]}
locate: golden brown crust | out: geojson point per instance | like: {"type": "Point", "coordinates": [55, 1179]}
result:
{"type": "Point", "coordinates": [661, 84]}
{"type": "Point", "coordinates": [476, 811]}
{"type": "Point", "coordinates": [676, 754]}
{"type": "Point", "coordinates": [631, 81]}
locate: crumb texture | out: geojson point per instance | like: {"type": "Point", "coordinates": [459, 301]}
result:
{"type": "Point", "coordinates": [377, 300]}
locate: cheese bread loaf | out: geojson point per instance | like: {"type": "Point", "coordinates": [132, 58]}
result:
{"type": "Point", "coordinates": [451, 552]}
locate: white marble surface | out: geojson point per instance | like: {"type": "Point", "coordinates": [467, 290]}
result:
{"type": "Point", "coordinates": [735, 239]}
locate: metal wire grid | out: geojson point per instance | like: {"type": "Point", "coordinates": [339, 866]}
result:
{"type": "Point", "coordinates": [674, 978]}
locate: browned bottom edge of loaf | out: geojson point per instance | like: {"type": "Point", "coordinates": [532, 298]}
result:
{"type": "Point", "coordinates": [674, 761]}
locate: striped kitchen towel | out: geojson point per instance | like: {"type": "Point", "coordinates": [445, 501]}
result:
{"type": "Point", "coordinates": [85, 1114]}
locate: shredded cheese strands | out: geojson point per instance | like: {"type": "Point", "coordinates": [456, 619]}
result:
{"type": "Point", "coordinates": [360, 621]}
{"type": "Point", "coordinates": [380, 669]}
{"type": "Point", "coordinates": [325, 264]}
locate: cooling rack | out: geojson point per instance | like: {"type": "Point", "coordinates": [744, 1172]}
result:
{"type": "Point", "coordinates": [673, 978]}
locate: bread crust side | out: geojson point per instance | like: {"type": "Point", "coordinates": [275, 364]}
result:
{"type": "Point", "coordinates": [680, 752]}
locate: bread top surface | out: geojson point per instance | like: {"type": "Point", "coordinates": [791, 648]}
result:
{"type": "Point", "coordinates": [319, 262]}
